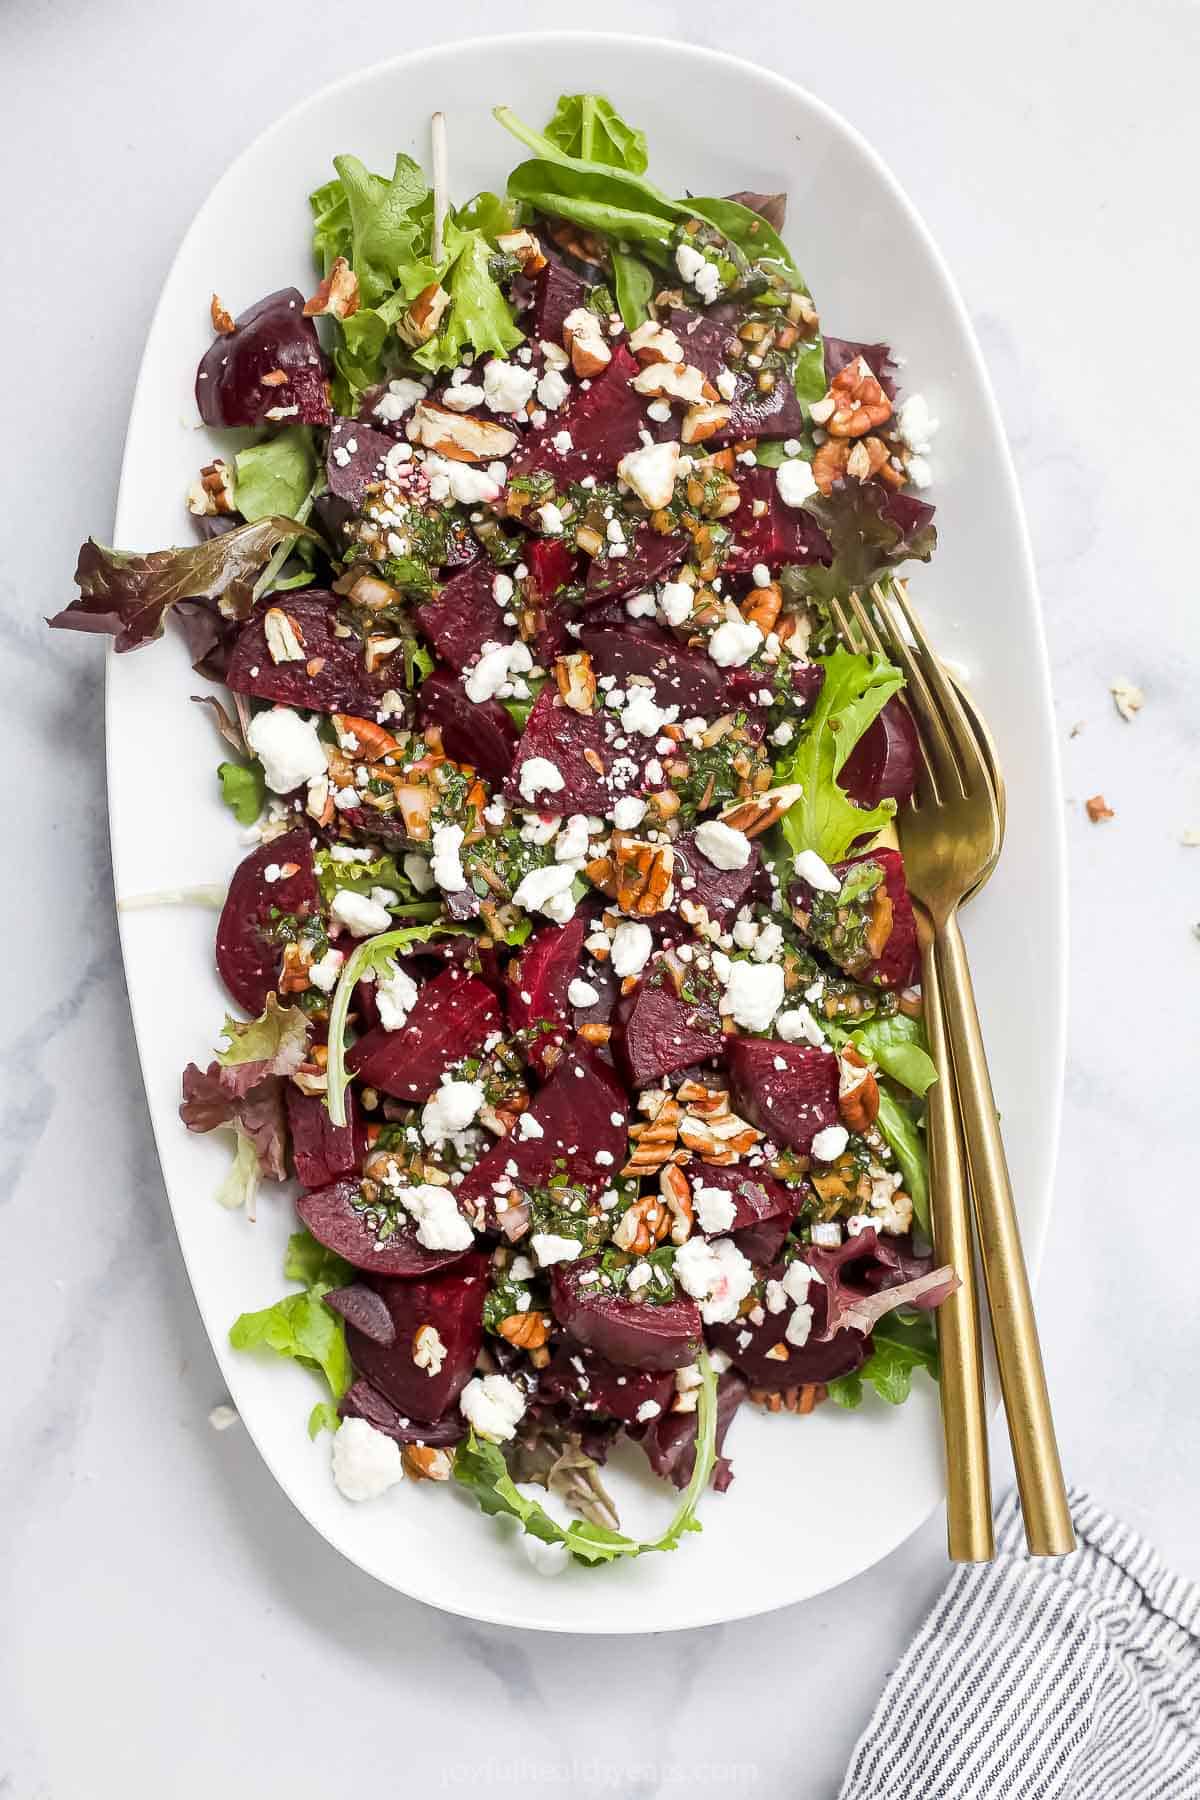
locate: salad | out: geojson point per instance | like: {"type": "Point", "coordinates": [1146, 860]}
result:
{"type": "Point", "coordinates": [574, 966]}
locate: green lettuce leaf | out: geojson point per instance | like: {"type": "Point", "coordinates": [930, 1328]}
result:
{"type": "Point", "coordinates": [275, 1043]}
{"type": "Point", "coordinates": [492, 214]}
{"type": "Point", "coordinates": [331, 236]}
{"type": "Point", "coordinates": [243, 789]}
{"type": "Point", "coordinates": [479, 315]}
{"type": "Point", "coordinates": [589, 127]}
{"type": "Point", "coordinates": [274, 477]}
{"type": "Point", "coordinates": [301, 1327]}
{"type": "Point", "coordinates": [389, 222]}
{"type": "Point", "coordinates": [482, 1470]}
{"type": "Point", "coordinates": [907, 1145]}
{"type": "Point", "coordinates": [323, 1417]}
{"type": "Point", "coordinates": [129, 595]}
{"type": "Point", "coordinates": [360, 877]}
{"type": "Point", "coordinates": [823, 819]}
{"type": "Point", "coordinates": [902, 1343]}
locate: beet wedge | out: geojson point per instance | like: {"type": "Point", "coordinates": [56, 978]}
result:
{"type": "Point", "coordinates": [682, 676]}
{"type": "Point", "coordinates": [248, 952]}
{"type": "Point", "coordinates": [362, 1401]}
{"type": "Point", "coordinates": [656, 1032]}
{"type": "Point", "coordinates": [478, 733]}
{"type": "Point", "coordinates": [367, 1236]}
{"type": "Point", "coordinates": [321, 1150]}
{"type": "Point", "coordinates": [763, 1209]}
{"type": "Point", "coordinates": [536, 999]}
{"type": "Point", "coordinates": [450, 1019]}
{"type": "Point", "coordinates": [582, 1114]}
{"type": "Point", "coordinates": [899, 960]}
{"type": "Point", "coordinates": [330, 677]}
{"type": "Point", "coordinates": [237, 381]}
{"type": "Point", "coordinates": [587, 1382]}
{"type": "Point", "coordinates": [779, 534]}
{"type": "Point", "coordinates": [820, 1359]}
{"type": "Point", "coordinates": [567, 739]}
{"type": "Point", "coordinates": [463, 616]}
{"type": "Point", "coordinates": [788, 1090]}
{"type": "Point", "coordinates": [452, 1305]}
{"type": "Point", "coordinates": [602, 422]}
{"type": "Point", "coordinates": [634, 1333]}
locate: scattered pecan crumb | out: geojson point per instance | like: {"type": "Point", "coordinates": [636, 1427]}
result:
{"type": "Point", "coordinates": [222, 319]}
{"type": "Point", "coordinates": [1098, 809]}
{"type": "Point", "coordinates": [1127, 699]}
{"type": "Point", "coordinates": [1076, 728]}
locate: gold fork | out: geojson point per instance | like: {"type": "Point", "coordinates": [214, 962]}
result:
{"type": "Point", "coordinates": [951, 839]}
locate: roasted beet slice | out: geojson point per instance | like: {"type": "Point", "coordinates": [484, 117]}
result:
{"type": "Point", "coordinates": [670, 1440]}
{"type": "Point", "coordinates": [321, 1150]}
{"type": "Point", "coordinates": [582, 1113]}
{"type": "Point", "coordinates": [587, 1382]}
{"type": "Point", "coordinates": [602, 422]}
{"type": "Point", "coordinates": [719, 891]}
{"type": "Point", "coordinates": [248, 952]}
{"type": "Point", "coordinates": [355, 459]}
{"type": "Point", "coordinates": [557, 292]}
{"type": "Point", "coordinates": [781, 534]}
{"type": "Point", "coordinates": [551, 564]}
{"type": "Point", "coordinates": [338, 682]}
{"type": "Point", "coordinates": [464, 617]}
{"type": "Point", "coordinates": [452, 1304]}
{"type": "Point", "coordinates": [450, 1019]}
{"type": "Point", "coordinates": [878, 357]}
{"type": "Point", "coordinates": [651, 557]}
{"type": "Point", "coordinates": [708, 340]}
{"type": "Point", "coordinates": [634, 1333]}
{"type": "Point", "coordinates": [657, 1032]}
{"type": "Point", "coordinates": [338, 1219]}
{"type": "Point", "coordinates": [567, 739]}
{"type": "Point", "coordinates": [899, 960]}
{"type": "Point", "coordinates": [763, 1208]}
{"type": "Point", "coordinates": [787, 1090]}
{"type": "Point", "coordinates": [682, 676]}
{"type": "Point", "coordinates": [538, 980]}
{"type": "Point", "coordinates": [883, 764]}
{"type": "Point", "coordinates": [269, 339]}
{"type": "Point", "coordinates": [820, 1359]}
{"type": "Point", "coordinates": [362, 1401]}
{"type": "Point", "coordinates": [480, 733]}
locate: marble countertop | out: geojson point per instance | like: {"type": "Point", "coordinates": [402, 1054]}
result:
{"type": "Point", "coordinates": [170, 1623]}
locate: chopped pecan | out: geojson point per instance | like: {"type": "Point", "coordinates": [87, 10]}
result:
{"type": "Point", "coordinates": [858, 1090]}
{"type": "Point", "coordinates": [709, 1126]}
{"type": "Point", "coordinates": [656, 1142]}
{"type": "Point", "coordinates": [222, 319]}
{"type": "Point", "coordinates": [428, 1349]}
{"type": "Point", "coordinates": [584, 341]}
{"type": "Point", "coordinates": [459, 436]}
{"type": "Point", "coordinates": [879, 926]}
{"type": "Point", "coordinates": [837, 457]}
{"type": "Point", "coordinates": [762, 606]}
{"type": "Point", "coordinates": [842, 1183]}
{"type": "Point", "coordinates": [427, 1462]}
{"type": "Point", "coordinates": [643, 873]}
{"type": "Point", "coordinates": [854, 404]}
{"type": "Point", "coordinates": [677, 1198]}
{"type": "Point", "coordinates": [285, 640]}
{"type": "Point", "coordinates": [703, 421]}
{"type": "Point", "coordinates": [1098, 809]}
{"type": "Point", "coordinates": [420, 322]}
{"type": "Point", "coordinates": [576, 681]}
{"type": "Point", "coordinates": [212, 491]}
{"type": "Point", "coordinates": [761, 811]}
{"type": "Point", "coordinates": [337, 295]}
{"type": "Point", "coordinates": [793, 1400]}
{"type": "Point", "coordinates": [642, 1225]}
{"type": "Point", "coordinates": [525, 247]}
{"type": "Point", "coordinates": [526, 1330]}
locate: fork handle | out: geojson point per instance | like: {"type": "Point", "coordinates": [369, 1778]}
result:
{"type": "Point", "coordinates": [964, 1414]}
{"type": "Point", "coordinates": [1048, 1527]}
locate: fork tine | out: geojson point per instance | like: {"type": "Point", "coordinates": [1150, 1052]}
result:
{"type": "Point", "coordinates": [972, 766]}
{"type": "Point", "coordinates": [844, 627]}
{"type": "Point", "coordinates": [866, 626]}
{"type": "Point", "coordinates": [935, 741]}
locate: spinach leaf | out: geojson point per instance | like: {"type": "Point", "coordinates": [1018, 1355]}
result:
{"type": "Point", "coordinates": [824, 819]}
{"type": "Point", "coordinates": [620, 205]}
{"type": "Point", "coordinates": [589, 127]}
{"type": "Point", "coordinates": [275, 476]}
{"type": "Point", "coordinates": [634, 283]}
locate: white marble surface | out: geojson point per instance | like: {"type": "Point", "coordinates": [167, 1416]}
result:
{"type": "Point", "coordinates": [170, 1624]}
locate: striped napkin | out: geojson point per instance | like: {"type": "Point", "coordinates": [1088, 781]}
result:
{"type": "Point", "coordinates": [1032, 1679]}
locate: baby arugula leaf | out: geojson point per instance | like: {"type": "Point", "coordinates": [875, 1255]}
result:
{"type": "Point", "coordinates": [589, 127]}
{"type": "Point", "coordinates": [274, 477]}
{"type": "Point", "coordinates": [482, 1470]}
{"type": "Point", "coordinates": [824, 819]}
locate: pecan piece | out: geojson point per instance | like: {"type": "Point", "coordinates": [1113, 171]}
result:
{"type": "Point", "coordinates": [222, 318]}
{"type": "Point", "coordinates": [655, 1142]}
{"type": "Point", "coordinates": [677, 1198]}
{"type": "Point", "coordinates": [858, 1091]}
{"type": "Point", "coordinates": [800, 1400]}
{"type": "Point", "coordinates": [709, 1126]}
{"type": "Point", "coordinates": [212, 491]}
{"type": "Point", "coordinates": [423, 317]}
{"type": "Point", "coordinates": [526, 1330]}
{"type": "Point", "coordinates": [337, 295]}
{"type": "Point", "coordinates": [761, 811]}
{"type": "Point", "coordinates": [642, 1225]}
{"type": "Point", "coordinates": [854, 404]}
{"type": "Point", "coordinates": [576, 681]}
{"type": "Point", "coordinates": [427, 1462]}
{"type": "Point", "coordinates": [643, 875]}
{"type": "Point", "coordinates": [285, 640]}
